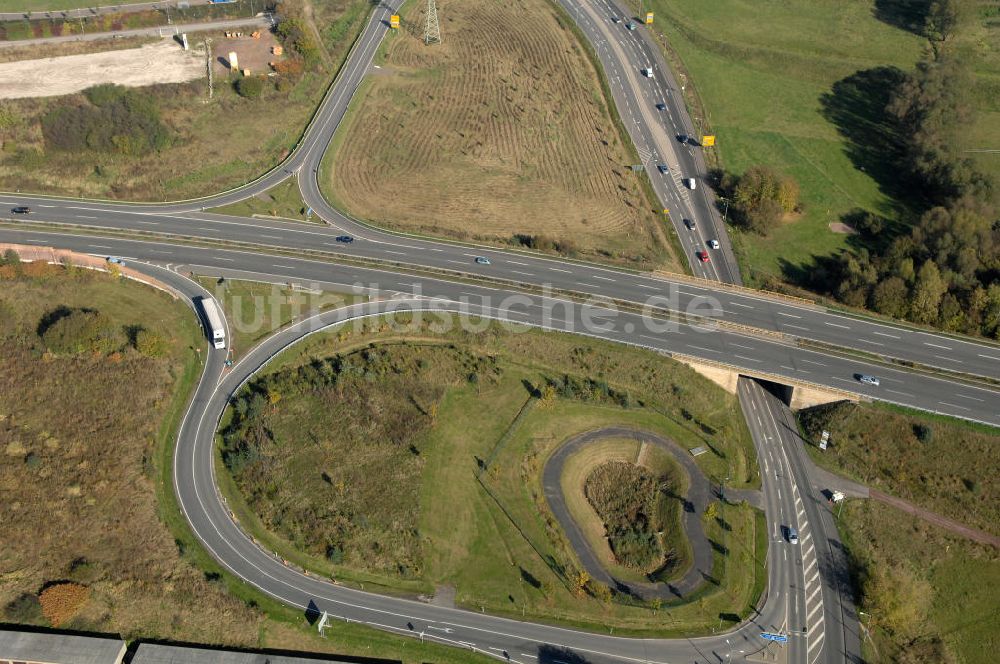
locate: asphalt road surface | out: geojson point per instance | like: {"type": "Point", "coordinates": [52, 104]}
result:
{"type": "Point", "coordinates": [810, 580]}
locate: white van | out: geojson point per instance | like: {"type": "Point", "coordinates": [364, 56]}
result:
{"type": "Point", "coordinates": [690, 183]}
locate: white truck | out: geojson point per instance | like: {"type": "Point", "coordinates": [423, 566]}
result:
{"type": "Point", "coordinates": [216, 330]}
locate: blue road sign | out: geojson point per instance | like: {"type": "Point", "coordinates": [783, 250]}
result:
{"type": "Point", "coordinates": [780, 638]}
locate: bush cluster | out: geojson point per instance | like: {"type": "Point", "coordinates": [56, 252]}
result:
{"type": "Point", "coordinates": [627, 498]}
{"type": "Point", "coordinates": [293, 30]}
{"type": "Point", "coordinates": [760, 198]}
{"type": "Point", "coordinates": [112, 119]}
{"type": "Point", "coordinates": [81, 331]}
{"type": "Point", "coordinates": [61, 601]}
{"type": "Point", "coordinates": [588, 389]}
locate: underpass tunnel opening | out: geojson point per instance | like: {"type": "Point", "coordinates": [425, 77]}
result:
{"type": "Point", "coordinates": [780, 390]}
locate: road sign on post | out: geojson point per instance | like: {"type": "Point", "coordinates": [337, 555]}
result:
{"type": "Point", "coordinates": [707, 141]}
{"type": "Point", "coordinates": [780, 638]}
{"type": "Point", "coordinates": [394, 21]}
{"type": "Point", "coordinates": [824, 440]}
{"type": "Point", "coordinates": [649, 18]}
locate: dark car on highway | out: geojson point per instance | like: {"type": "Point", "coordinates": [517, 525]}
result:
{"type": "Point", "coordinates": [21, 209]}
{"type": "Point", "coordinates": [346, 239]}
{"type": "Point", "coordinates": [661, 106]}
{"type": "Point", "coordinates": [689, 224]}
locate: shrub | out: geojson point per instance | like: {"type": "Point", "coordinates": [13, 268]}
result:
{"type": "Point", "coordinates": [80, 331]}
{"type": "Point", "coordinates": [150, 344]}
{"type": "Point", "coordinates": [114, 119]}
{"type": "Point", "coordinates": [10, 257]}
{"type": "Point", "coordinates": [61, 601]}
{"type": "Point", "coordinates": [250, 87]}
{"type": "Point", "coordinates": [923, 432]}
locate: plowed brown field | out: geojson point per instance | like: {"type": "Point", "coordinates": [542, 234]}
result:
{"type": "Point", "coordinates": [500, 130]}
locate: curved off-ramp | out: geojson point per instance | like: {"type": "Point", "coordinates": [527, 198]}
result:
{"type": "Point", "coordinates": [698, 495]}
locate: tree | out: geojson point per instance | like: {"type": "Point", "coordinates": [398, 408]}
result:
{"type": "Point", "coordinates": [890, 297]}
{"type": "Point", "coordinates": [712, 510]}
{"type": "Point", "coordinates": [580, 581]}
{"type": "Point", "coordinates": [927, 293]}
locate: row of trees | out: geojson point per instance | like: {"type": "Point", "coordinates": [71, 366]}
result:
{"type": "Point", "coordinates": [946, 270]}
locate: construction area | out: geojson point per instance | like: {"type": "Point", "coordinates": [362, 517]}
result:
{"type": "Point", "coordinates": [165, 61]}
{"type": "Point", "coordinates": [501, 129]}
{"type": "Point", "coordinates": [255, 51]}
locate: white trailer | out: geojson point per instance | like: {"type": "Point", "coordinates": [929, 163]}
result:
{"type": "Point", "coordinates": [216, 329]}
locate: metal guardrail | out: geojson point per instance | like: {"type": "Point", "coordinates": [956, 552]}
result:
{"type": "Point", "coordinates": [677, 276]}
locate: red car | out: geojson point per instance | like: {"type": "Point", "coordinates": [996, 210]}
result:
{"type": "Point", "coordinates": [702, 256]}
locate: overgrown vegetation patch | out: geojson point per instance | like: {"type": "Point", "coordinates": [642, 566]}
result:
{"type": "Point", "coordinates": [629, 499]}
{"type": "Point", "coordinates": [396, 455]}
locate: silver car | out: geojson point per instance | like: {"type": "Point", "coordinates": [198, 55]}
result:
{"type": "Point", "coordinates": [869, 380]}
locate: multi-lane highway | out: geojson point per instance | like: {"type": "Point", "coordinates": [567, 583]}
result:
{"type": "Point", "coordinates": [796, 596]}
{"type": "Point", "coordinates": [652, 109]}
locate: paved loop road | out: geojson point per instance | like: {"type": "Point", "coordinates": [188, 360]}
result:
{"type": "Point", "coordinates": [699, 492]}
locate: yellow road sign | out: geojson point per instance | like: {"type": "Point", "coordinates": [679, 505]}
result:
{"type": "Point", "coordinates": [394, 21]}
{"type": "Point", "coordinates": [649, 17]}
{"type": "Point", "coordinates": [707, 141]}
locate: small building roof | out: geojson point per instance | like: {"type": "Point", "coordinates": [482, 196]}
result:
{"type": "Point", "coordinates": [53, 648]}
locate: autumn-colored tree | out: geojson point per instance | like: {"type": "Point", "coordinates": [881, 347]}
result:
{"type": "Point", "coordinates": [580, 581]}
{"type": "Point", "coordinates": [712, 510]}
{"type": "Point", "coordinates": [61, 601]}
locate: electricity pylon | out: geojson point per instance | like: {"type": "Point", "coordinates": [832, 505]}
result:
{"type": "Point", "coordinates": [432, 31]}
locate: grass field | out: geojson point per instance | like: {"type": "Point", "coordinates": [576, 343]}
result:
{"type": "Point", "coordinates": [282, 201]}
{"type": "Point", "coordinates": [950, 588]}
{"type": "Point", "coordinates": [952, 472]}
{"type": "Point", "coordinates": [53, 5]}
{"type": "Point", "coordinates": [210, 152]}
{"type": "Point", "coordinates": [85, 449]}
{"type": "Point", "coordinates": [255, 310]}
{"type": "Point", "coordinates": [410, 416]}
{"type": "Point", "coordinates": [766, 75]}
{"type": "Point", "coordinates": [501, 130]}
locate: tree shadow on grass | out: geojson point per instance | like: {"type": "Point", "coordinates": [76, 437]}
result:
{"type": "Point", "coordinates": [909, 15]}
{"type": "Point", "coordinates": [856, 106]}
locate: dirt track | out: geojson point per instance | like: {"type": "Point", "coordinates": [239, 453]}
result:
{"type": "Point", "coordinates": [163, 62]}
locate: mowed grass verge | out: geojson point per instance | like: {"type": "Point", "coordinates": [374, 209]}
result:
{"type": "Point", "coordinates": [765, 75]}
{"type": "Point", "coordinates": [928, 594]}
{"type": "Point", "coordinates": [368, 472]}
{"type": "Point", "coordinates": [941, 464]}
{"type": "Point", "coordinates": [86, 447]}
{"type": "Point", "coordinates": [500, 131]}
{"type": "Point", "coordinates": [255, 309]}
{"type": "Point", "coordinates": [217, 144]}
{"type": "Point", "coordinates": [282, 201]}
{"type": "Point", "coordinates": [940, 590]}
